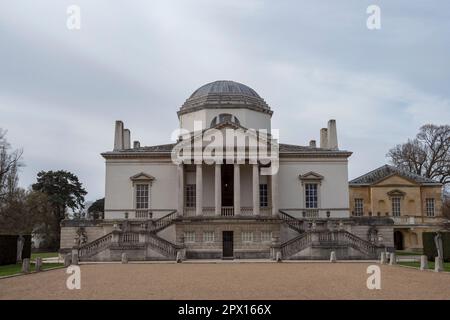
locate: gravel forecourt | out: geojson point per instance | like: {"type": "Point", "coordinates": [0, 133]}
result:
{"type": "Point", "coordinates": [205, 281]}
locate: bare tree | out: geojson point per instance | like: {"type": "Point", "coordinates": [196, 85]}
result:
{"type": "Point", "coordinates": [427, 155]}
{"type": "Point", "coordinates": [9, 164]}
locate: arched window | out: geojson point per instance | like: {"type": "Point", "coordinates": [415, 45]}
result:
{"type": "Point", "coordinates": [223, 117]}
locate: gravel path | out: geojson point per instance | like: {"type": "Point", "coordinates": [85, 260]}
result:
{"type": "Point", "coordinates": [229, 281]}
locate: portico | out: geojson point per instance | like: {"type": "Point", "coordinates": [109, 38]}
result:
{"type": "Point", "coordinates": [224, 187]}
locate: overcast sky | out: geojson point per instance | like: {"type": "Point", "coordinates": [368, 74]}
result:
{"type": "Point", "coordinates": [62, 90]}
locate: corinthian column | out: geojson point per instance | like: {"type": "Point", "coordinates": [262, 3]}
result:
{"type": "Point", "coordinates": [180, 173]}
{"type": "Point", "coordinates": [237, 189]}
{"type": "Point", "coordinates": [255, 189]}
{"type": "Point", "coordinates": [218, 189]}
{"type": "Point", "coordinates": [275, 203]}
{"type": "Point", "coordinates": [199, 190]}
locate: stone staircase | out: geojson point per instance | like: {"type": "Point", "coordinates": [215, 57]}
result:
{"type": "Point", "coordinates": [292, 222]}
{"type": "Point", "coordinates": [325, 239]}
{"type": "Point", "coordinates": [329, 239]}
{"type": "Point", "coordinates": [134, 240]}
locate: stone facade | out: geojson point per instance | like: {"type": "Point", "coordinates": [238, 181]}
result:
{"type": "Point", "coordinates": [157, 208]}
{"type": "Point", "coordinates": [373, 195]}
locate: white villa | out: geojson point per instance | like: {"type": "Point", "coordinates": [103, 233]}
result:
{"type": "Point", "coordinates": [164, 202]}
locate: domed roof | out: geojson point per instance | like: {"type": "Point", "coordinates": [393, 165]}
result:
{"type": "Point", "coordinates": [224, 94]}
{"type": "Point", "coordinates": [224, 87]}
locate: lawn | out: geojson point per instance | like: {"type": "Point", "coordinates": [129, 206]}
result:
{"type": "Point", "coordinates": [12, 269]}
{"type": "Point", "coordinates": [44, 255]}
{"type": "Point", "coordinates": [430, 265]}
{"type": "Point", "coordinates": [407, 253]}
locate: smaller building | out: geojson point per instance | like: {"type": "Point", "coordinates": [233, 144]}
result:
{"type": "Point", "coordinates": [413, 202]}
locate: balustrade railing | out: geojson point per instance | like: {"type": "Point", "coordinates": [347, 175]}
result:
{"type": "Point", "coordinates": [129, 238]}
{"type": "Point", "coordinates": [95, 246]}
{"type": "Point", "coordinates": [310, 213]}
{"type": "Point", "coordinates": [292, 222]}
{"type": "Point", "coordinates": [227, 211]}
{"type": "Point", "coordinates": [165, 247]}
{"type": "Point", "coordinates": [328, 238]}
{"type": "Point", "coordinates": [164, 222]}
{"type": "Point", "coordinates": [143, 214]}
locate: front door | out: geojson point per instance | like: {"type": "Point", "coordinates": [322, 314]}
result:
{"type": "Point", "coordinates": [227, 185]}
{"type": "Point", "coordinates": [398, 240]}
{"type": "Point", "coordinates": [227, 244]}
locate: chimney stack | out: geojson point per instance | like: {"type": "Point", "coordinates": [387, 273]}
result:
{"type": "Point", "coordinates": [126, 139]}
{"type": "Point", "coordinates": [312, 143]}
{"type": "Point", "coordinates": [118, 136]}
{"type": "Point", "coordinates": [332, 135]}
{"type": "Point", "coordinates": [324, 138]}
{"type": "Point", "coordinates": [136, 144]}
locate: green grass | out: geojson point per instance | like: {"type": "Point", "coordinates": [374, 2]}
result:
{"type": "Point", "coordinates": [430, 265]}
{"type": "Point", "coordinates": [44, 255]}
{"type": "Point", "coordinates": [12, 269]}
{"type": "Point", "coordinates": [407, 253]}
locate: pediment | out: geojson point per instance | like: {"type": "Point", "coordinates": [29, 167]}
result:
{"type": "Point", "coordinates": [216, 137]}
{"type": "Point", "coordinates": [142, 177]}
{"type": "Point", "coordinates": [311, 176]}
{"type": "Point", "coordinates": [395, 179]}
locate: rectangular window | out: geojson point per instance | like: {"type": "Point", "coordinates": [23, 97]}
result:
{"type": "Point", "coordinates": [208, 236]}
{"type": "Point", "coordinates": [190, 196]}
{"type": "Point", "coordinates": [311, 198]}
{"type": "Point", "coordinates": [266, 236]}
{"type": "Point", "coordinates": [247, 236]}
{"type": "Point", "coordinates": [189, 236]}
{"type": "Point", "coordinates": [263, 197]}
{"type": "Point", "coordinates": [142, 196]}
{"type": "Point", "coordinates": [359, 207]}
{"type": "Point", "coordinates": [396, 209]}
{"type": "Point", "coordinates": [430, 207]}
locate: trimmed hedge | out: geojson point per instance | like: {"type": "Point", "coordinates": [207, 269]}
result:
{"type": "Point", "coordinates": [8, 249]}
{"type": "Point", "coordinates": [429, 248]}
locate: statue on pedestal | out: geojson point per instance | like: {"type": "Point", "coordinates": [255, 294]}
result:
{"type": "Point", "coordinates": [20, 244]}
{"type": "Point", "coordinates": [438, 244]}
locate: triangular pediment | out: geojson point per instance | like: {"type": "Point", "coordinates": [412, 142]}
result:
{"type": "Point", "coordinates": [208, 139]}
{"type": "Point", "coordinates": [395, 179]}
{"type": "Point", "coordinates": [311, 176]}
{"type": "Point", "coordinates": [142, 177]}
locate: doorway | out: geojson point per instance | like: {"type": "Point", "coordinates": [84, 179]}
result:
{"type": "Point", "coordinates": [228, 246]}
{"type": "Point", "coordinates": [227, 185]}
{"type": "Point", "coordinates": [398, 240]}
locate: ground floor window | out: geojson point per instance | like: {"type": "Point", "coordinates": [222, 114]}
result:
{"type": "Point", "coordinates": [430, 207]}
{"type": "Point", "coordinates": [189, 236]}
{"type": "Point", "coordinates": [190, 196]}
{"type": "Point", "coordinates": [266, 236]}
{"type": "Point", "coordinates": [208, 236]}
{"type": "Point", "coordinates": [247, 236]}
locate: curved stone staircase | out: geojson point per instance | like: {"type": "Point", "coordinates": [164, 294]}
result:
{"type": "Point", "coordinates": [127, 240]}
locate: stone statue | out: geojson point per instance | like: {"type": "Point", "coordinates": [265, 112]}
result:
{"type": "Point", "coordinates": [20, 244]}
{"type": "Point", "coordinates": [373, 235]}
{"type": "Point", "coordinates": [438, 244]}
{"type": "Point", "coordinates": [81, 237]}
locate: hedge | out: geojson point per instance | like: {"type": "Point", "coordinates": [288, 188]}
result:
{"type": "Point", "coordinates": [429, 248]}
{"type": "Point", "coordinates": [8, 249]}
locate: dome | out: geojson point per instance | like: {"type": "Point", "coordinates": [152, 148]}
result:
{"type": "Point", "coordinates": [224, 87]}
{"type": "Point", "coordinates": [224, 94]}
